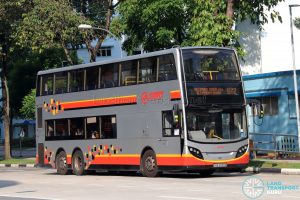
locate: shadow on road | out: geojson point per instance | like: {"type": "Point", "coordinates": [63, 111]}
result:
{"type": "Point", "coordinates": [163, 175]}
{"type": "Point", "coordinates": [6, 183]}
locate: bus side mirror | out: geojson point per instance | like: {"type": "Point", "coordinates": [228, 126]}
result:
{"type": "Point", "coordinates": [175, 114]}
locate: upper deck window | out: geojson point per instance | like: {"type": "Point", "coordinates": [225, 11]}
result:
{"type": "Point", "coordinates": [76, 80]}
{"type": "Point", "coordinates": [148, 70]}
{"type": "Point", "coordinates": [92, 78]}
{"type": "Point", "coordinates": [129, 72]}
{"type": "Point", "coordinates": [210, 65]}
{"type": "Point", "coordinates": [167, 68]}
{"type": "Point", "coordinates": [110, 75]}
{"type": "Point", "coordinates": [61, 82]}
{"type": "Point", "coordinates": [47, 84]}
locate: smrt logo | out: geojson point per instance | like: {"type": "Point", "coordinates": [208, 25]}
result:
{"type": "Point", "coordinates": [151, 96]}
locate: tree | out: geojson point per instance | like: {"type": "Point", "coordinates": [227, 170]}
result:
{"type": "Point", "coordinates": [297, 22]}
{"type": "Point", "coordinates": [51, 24]}
{"type": "Point", "coordinates": [99, 13]}
{"type": "Point", "coordinates": [10, 16]}
{"type": "Point", "coordinates": [23, 70]}
{"type": "Point", "coordinates": [28, 105]}
{"type": "Point", "coordinates": [158, 24]}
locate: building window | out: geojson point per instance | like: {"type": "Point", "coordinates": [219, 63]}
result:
{"type": "Point", "coordinates": [104, 51]}
{"type": "Point", "coordinates": [270, 105]}
{"type": "Point", "coordinates": [292, 106]}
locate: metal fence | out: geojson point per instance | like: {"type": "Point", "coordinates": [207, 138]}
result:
{"type": "Point", "coordinates": [276, 143]}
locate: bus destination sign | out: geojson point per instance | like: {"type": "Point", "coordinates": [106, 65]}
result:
{"type": "Point", "coordinates": [214, 91]}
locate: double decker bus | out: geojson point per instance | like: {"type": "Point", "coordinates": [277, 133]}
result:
{"type": "Point", "coordinates": [181, 109]}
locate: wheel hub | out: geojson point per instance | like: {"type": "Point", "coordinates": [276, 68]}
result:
{"type": "Point", "coordinates": [150, 163]}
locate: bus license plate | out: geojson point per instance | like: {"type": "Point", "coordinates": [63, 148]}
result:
{"type": "Point", "coordinates": [218, 165]}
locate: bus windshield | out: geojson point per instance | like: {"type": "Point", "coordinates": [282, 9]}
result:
{"type": "Point", "coordinates": [216, 125]}
{"type": "Point", "coordinates": [210, 65]}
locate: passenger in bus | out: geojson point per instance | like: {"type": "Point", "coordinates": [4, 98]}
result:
{"type": "Point", "coordinates": [79, 131]}
{"type": "Point", "coordinates": [50, 131]}
{"type": "Point", "coordinates": [108, 79]}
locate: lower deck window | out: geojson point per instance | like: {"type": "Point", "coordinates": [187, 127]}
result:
{"type": "Point", "coordinates": [102, 127]}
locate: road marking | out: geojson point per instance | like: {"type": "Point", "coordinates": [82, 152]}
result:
{"type": "Point", "coordinates": [176, 197]}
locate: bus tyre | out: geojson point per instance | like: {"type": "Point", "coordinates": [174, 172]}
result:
{"type": "Point", "coordinates": [149, 164]}
{"type": "Point", "coordinates": [61, 163]}
{"type": "Point", "coordinates": [78, 163]}
{"type": "Point", "coordinates": [206, 172]}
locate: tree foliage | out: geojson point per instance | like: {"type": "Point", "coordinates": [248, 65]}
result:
{"type": "Point", "coordinates": [28, 105]}
{"type": "Point", "coordinates": [99, 13]}
{"type": "Point", "coordinates": [297, 22]}
{"type": "Point", "coordinates": [51, 24]}
{"type": "Point", "coordinates": [158, 24]}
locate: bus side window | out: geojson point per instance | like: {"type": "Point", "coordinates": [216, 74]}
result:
{"type": "Point", "coordinates": [129, 72]}
{"type": "Point", "coordinates": [167, 68]}
{"type": "Point", "coordinates": [47, 85]}
{"type": "Point", "coordinates": [77, 128]}
{"type": "Point", "coordinates": [92, 128]}
{"type": "Point", "coordinates": [110, 76]}
{"type": "Point", "coordinates": [76, 80]}
{"type": "Point", "coordinates": [167, 121]}
{"type": "Point", "coordinates": [61, 82]}
{"type": "Point", "coordinates": [92, 78]}
{"type": "Point", "coordinates": [61, 128]}
{"type": "Point", "coordinates": [49, 129]}
{"type": "Point", "coordinates": [108, 127]}
{"type": "Point", "coordinates": [147, 70]}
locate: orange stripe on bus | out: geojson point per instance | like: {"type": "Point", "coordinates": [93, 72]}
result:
{"type": "Point", "coordinates": [175, 94]}
{"type": "Point", "coordinates": [166, 160]}
{"type": "Point", "coordinates": [100, 102]}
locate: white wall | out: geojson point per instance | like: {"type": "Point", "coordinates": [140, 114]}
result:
{"type": "Point", "coordinates": [270, 50]}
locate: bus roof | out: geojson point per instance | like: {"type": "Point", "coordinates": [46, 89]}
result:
{"type": "Point", "coordinates": [109, 61]}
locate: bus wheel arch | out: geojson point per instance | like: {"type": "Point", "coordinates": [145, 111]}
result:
{"type": "Point", "coordinates": [148, 163]}
{"type": "Point", "coordinates": [61, 161]}
{"type": "Point", "coordinates": [78, 163]}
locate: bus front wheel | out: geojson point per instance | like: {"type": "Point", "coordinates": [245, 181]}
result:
{"type": "Point", "coordinates": [61, 163]}
{"type": "Point", "coordinates": [149, 164]}
{"type": "Point", "coordinates": [78, 163]}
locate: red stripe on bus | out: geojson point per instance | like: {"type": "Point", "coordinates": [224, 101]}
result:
{"type": "Point", "coordinates": [175, 94]}
{"type": "Point", "coordinates": [192, 161]}
{"type": "Point", "coordinates": [100, 102]}
{"type": "Point", "coordinates": [165, 161]}
{"type": "Point", "coordinates": [116, 161]}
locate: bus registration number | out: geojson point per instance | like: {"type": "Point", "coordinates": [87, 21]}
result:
{"type": "Point", "coordinates": [218, 165]}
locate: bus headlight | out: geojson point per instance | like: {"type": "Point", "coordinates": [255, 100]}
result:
{"type": "Point", "coordinates": [241, 151]}
{"type": "Point", "coordinates": [195, 152]}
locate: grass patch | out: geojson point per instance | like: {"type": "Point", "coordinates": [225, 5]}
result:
{"type": "Point", "coordinates": [18, 161]}
{"type": "Point", "coordinates": [274, 164]}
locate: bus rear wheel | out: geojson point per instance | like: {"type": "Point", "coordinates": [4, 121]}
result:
{"type": "Point", "coordinates": [61, 163]}
{"type": "Point", "coordinates": [78, 163]}
{"type": "Point", "coordinates": [149, 164]}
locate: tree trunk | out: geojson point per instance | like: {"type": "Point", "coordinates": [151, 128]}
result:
{"type": "Point", "coordinates": [67, 53]}
{"type": "Point", "coordinates": [6, 112]}
{"type": "Point", "coordinates": [229, 11]}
